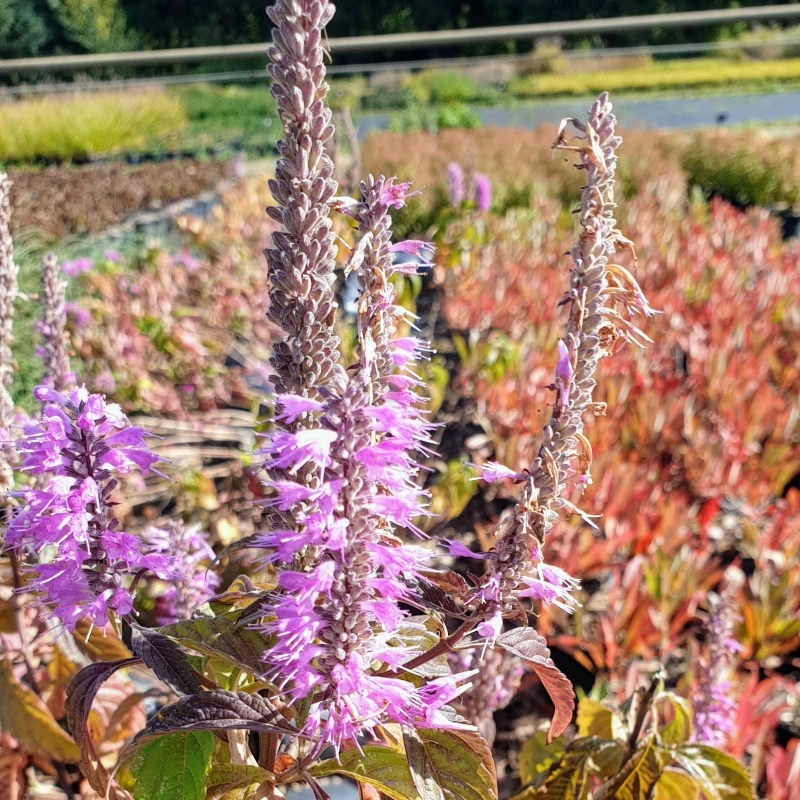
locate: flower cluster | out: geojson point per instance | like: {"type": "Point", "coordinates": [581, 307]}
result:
{"type": "Point", "coordinates": [499, 675]}
{"type": "Point", "coordinates": [67, 522]}
{"type": "Point", "coordinates": [189, 555]}
{"type": "Point", "coordinates": [714, 703]}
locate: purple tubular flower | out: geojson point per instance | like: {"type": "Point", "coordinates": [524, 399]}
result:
{"type": "Point", "coordinates": [714, 700]}
{"type": "Point", "coordinates": [563, 374]}
{"type": "Point", "coordinates": [499, 675]}
{"type": "Point", "coordinates": [455, 184]}
{"type": "Point", "coordinates": [83, 559]}
{"type": "Point", "coordinates": [77, 266]}
{"type": "Point", "coordinates": [8, 294]}
{"type": "Point", "coordinates": [189, 556]}
{"type": "Point", "coordinates": [483, 192]}
{"type": "Point", "coordinates": [52, 326]}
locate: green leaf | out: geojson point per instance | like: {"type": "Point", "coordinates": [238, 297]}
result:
{"type": "Point", "coordinates": [537, 756]}
{"type": "Point", "coordinates": [679, 729]}
{"type": "Point", "coordinates": [382, 767]}
{"type": "Point", "coordinates": [674, 785]}
{"type": "Point", "coordinates": [450, 764]}
{"type": "Point", "coordinates": [25, 717]}
{"type": "Point", "coordinates": [173, 767]}
{"type": "Point", "coordinates": [221, 636]}
{"type": "Point", "coordinates": [594, 719]}
{"type": "Point", "coordinates": [639, 774]}
{"type": "Point", "coordinates": [234, 781]}
{"type": "Point", "coordinates": [568, 778]}
{"type": "Point", "coordinates": [720, 776]}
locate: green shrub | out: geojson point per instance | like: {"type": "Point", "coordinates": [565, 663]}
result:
{"type": "Point", "coordinates": [433, 86]}
{"type": "Point", "coordinates": [422, 118]}
{"type": "Point", "coordinates": [81, 125]}
{"type": "Point", "coordinates": [746, 168]}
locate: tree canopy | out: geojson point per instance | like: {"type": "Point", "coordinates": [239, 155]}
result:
{"type": "Point", "coordinates": [46, 27]}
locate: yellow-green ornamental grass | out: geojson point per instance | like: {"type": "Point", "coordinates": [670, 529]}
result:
{"type": "Point", "coordinates": [80, 125]}
{"type": "Point", "coordinates": [659, 75]}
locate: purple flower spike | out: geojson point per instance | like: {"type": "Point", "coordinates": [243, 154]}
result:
{"type": "Point", "coordinates": [77, 266]}
{"type": "Point", "coordinates": [84, 561]}
{"type": "Point", "coordinates": [483, 192]}
{"type": "Point", "coordinates": [190, 556]}
{"type": "Point", "coordinates": [455, 184]}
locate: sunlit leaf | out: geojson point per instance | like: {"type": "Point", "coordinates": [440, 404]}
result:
{"type": "Point", "coordinates": [382, 767]}
{"type": "Point", "coordinates": [234, 781]}
{"type": "Point", "coordinates": [25, 717]}
{"type": "Point", "coordinates": [222, 636]}
{"type": "Point", "coordinates": [720, 776]}
{"type": "Point", "coordinates": [674, 785]}
{"type": "Point", "coordinates": [450, 764]}
{"type": "Point", "coordinates": [679, 729]}
{"type": "Point", "coordinates": [537, 756]}
{"type": "Point", "coordinates": [173, 767]}
{"type": "Point", "coordinates": [594, 719]}
{"type": "Point", "coordinates": [532, 648]}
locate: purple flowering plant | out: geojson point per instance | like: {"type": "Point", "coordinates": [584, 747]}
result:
{"type": "Point", "coordinates": [355, 651]}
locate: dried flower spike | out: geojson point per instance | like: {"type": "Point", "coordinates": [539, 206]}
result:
{"type": "Point", "coordinates": [52, 326]}
{"type": "Point", "coordinates": [515, 567]}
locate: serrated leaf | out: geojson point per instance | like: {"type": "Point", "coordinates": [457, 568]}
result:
{"type": "Point", "coordinates": [679, 729]}
{"type": "Point", "coordinates": [234, 781]}
{"type": "Point", "coordinates": [450, 764]}
{"type": "Point", "coordinates": [537, 756]}
{"type": "Point", "coordinates": [674, 785]}
{"type": "Point", "coordinates": [594, 719]}
{"type": "Point", "coordinates": [720, 776]}
{"type": "Point", "coordinates": [24, 716]}
{"type": "Point", "coordinates": [224, 636]}
{"type": "Point", "coordinates": [532, 648]}
{"type": "Point", "coordinates": [173, 767]}
{"type": "Point", "coordinates": [382, 767]}
{"type": "Point", "coordinates": [166, 659]}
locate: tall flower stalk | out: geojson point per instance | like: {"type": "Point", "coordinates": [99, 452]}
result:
{"type": "Point", "coordinates": [52, 326]}
{"type": "Point", "coordinates": [8, 294]}
{"type": "Point", "coordinates": [334, 621]}
{"type": "Point", "coordinates": [599, 289]}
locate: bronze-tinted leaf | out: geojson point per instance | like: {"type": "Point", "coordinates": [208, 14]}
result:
{"type": "Point", "coordinates": [216, 710]}
{"type": "Point", "coordinates": [166, 659]}
{"type": "Point", "coordinates": [234, 781]}
{"type": "Point", "coordinates": [80, 695]}
{"type": "Point", "coordinates": [532, 648]}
